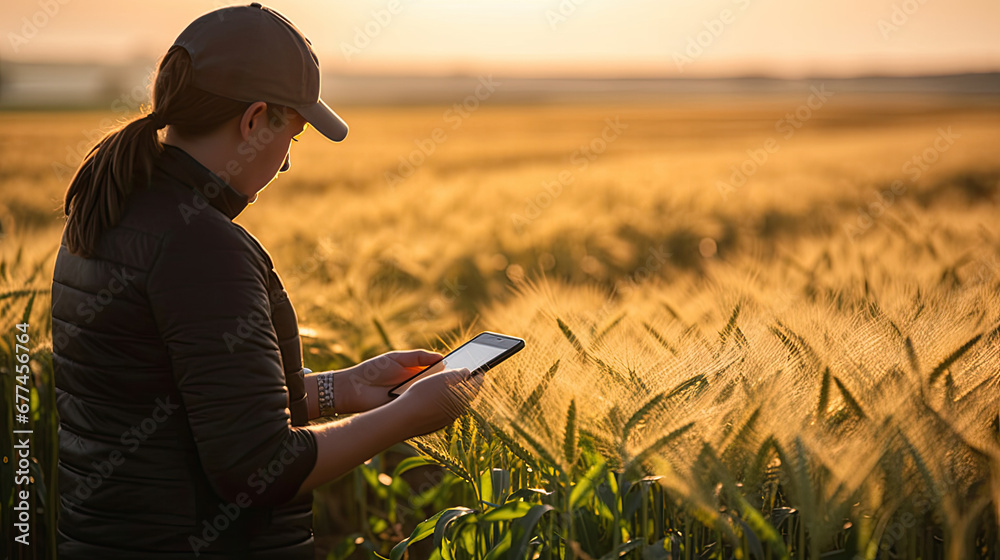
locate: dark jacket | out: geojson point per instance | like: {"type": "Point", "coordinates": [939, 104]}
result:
{"type": "Point", "coordinates": [179, 384]}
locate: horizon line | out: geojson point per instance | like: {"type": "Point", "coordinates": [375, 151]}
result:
{"type": "Point", "coordinates": [539, 74]}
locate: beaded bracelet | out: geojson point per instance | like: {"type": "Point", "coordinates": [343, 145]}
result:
{"type": "Point", "coordinates": [324, 382]}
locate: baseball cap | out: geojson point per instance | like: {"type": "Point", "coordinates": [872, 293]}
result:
{"type": "Point", "coordinates": [253, 53]}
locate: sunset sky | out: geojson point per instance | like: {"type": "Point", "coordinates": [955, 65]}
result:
{"type": "Point", "coordinates": [552, 37]}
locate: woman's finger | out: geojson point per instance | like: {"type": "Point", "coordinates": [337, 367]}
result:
{"type": "Point", "coordinates": [416, 358]}
{"type": "Point", "coordinates": [465, 386]}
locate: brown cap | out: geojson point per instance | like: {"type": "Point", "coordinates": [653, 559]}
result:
{"type": "Point", "coordinates": [253, 53]}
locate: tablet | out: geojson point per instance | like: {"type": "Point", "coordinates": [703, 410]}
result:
{"type": "Point", "coordinates": [484, 352]}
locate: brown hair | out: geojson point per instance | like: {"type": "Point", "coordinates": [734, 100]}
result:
{"type": "Point", "coordinates": [100, 188]}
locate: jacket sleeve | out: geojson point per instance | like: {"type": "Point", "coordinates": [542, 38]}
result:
{"type": "Point", "coordinates": [208, 292]}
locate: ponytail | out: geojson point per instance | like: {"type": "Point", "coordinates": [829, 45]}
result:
{"type": "Point", "coordinates": [96, 197]}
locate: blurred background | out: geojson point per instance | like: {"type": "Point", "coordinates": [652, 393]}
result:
{"type": "Point", "coordinates": [64, 53]}
{"type": "Point", "coordinates": [605, 162]}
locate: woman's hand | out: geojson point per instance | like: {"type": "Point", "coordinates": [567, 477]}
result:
{"type": "Point", "coordinates": [436, 400]}
{"type": "Point", "coordinates": [428, 405]}
{"type": "Point", "coordinates": [366, 385]}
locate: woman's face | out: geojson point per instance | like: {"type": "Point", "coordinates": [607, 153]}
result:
{"type": "Point", "coordinates": [266, 147]}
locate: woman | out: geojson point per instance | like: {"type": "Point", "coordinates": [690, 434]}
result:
{"type": "Point", "coordinates": [181, 394]}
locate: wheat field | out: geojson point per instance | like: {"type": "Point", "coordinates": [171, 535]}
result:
{"type": "Point", "coordinates": [748, 335]}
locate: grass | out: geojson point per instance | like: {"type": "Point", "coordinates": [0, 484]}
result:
{"type": "Point", "coordinates": [744, 376]}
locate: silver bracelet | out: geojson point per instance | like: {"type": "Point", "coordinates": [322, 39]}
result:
{"type": "Point", "coordinates": [324, 382]}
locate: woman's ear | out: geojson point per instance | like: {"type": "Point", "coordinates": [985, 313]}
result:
{"type": "Point", "coordinates": [251, 118]}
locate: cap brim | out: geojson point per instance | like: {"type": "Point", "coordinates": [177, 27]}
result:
{"type": "Point", "coordinates": [323, 119]}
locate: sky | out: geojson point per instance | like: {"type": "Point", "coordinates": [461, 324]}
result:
{"type": "Point", "coordinates": [784, 38]}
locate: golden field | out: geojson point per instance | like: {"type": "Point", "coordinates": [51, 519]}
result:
{"type": "Point", "coordinates": [336, 221]}
{"type": "Point", "coordinates": [788, 315]}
